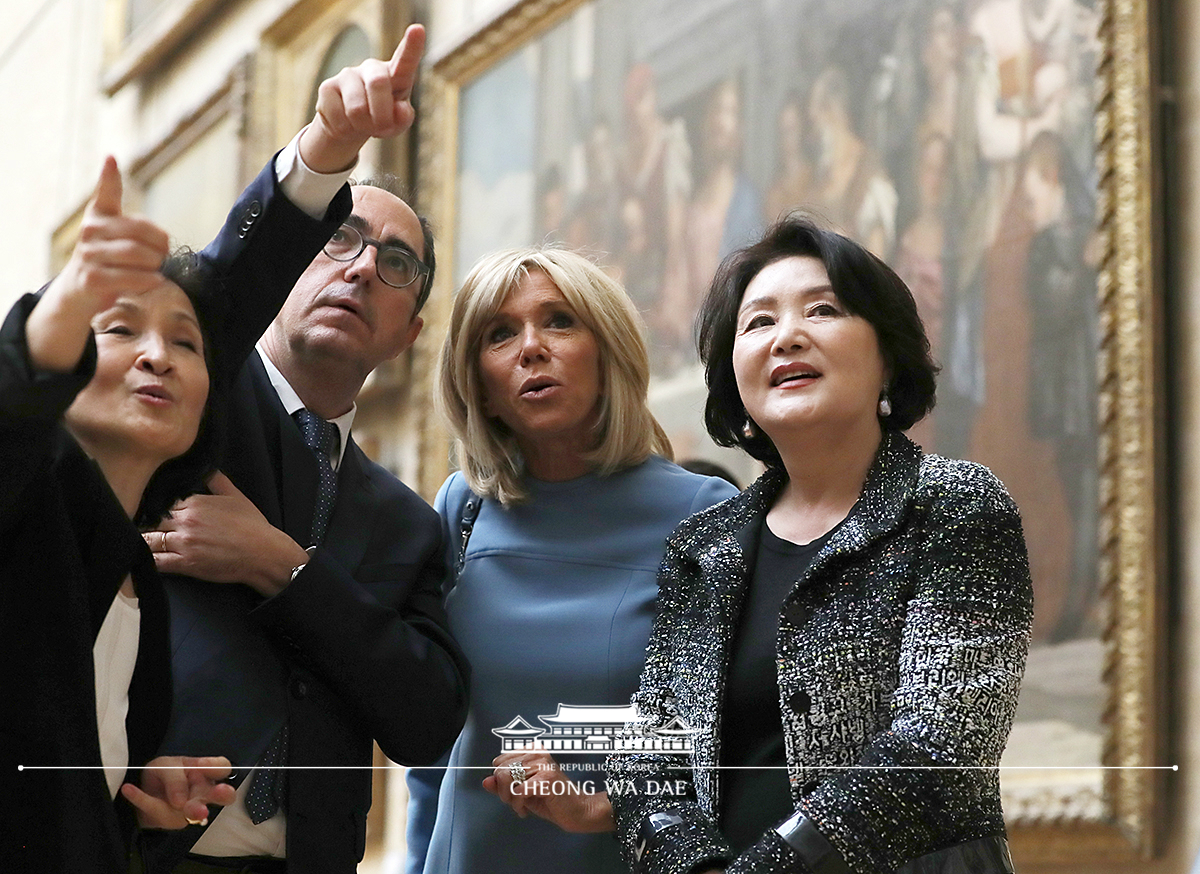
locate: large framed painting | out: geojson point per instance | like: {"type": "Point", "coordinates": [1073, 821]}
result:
{"type": "Point", "coordinates": [997, 153]}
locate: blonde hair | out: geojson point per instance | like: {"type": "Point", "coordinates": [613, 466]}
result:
{"type": "Point", "coordinates": [626, 431]}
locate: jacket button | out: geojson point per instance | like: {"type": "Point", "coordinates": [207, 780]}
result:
{"type": "Point", "coordinates": [249, 216]}
{"type": "Point", "coordinates": [299, 689]}
{"type": "Point", "coordinates": [800, 701]}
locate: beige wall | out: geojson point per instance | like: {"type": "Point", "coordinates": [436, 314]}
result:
{"type": "Point", "coordinates": [58, 125]}
{"type": "Point", "coordinates": [49, 59]}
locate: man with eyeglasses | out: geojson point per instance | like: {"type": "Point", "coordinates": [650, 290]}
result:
{"type": "Point", "coordinates": [310, 620]}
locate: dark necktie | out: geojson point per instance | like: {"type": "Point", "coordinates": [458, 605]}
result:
{"type": "Point", "coordinates": [267, 792]}
{"type": "Point", "coordinates": [322, 438]}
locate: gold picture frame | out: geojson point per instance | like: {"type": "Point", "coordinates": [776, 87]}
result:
{"type": "Point", "coordinates": [1109, 808]}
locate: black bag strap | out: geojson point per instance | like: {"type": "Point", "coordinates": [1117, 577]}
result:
{"type": "Point", "coordinates": [465, 526]}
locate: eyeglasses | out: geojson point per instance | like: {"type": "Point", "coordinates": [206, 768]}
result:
{"type": "Point", "coordinates": [395, 265]}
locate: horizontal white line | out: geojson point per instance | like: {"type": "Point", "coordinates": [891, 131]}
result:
{"type": "Point", "coordinates": [567, 767]}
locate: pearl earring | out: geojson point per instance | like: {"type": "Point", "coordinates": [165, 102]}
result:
{"type": "Point", "coordinates": [748, 430]}
{"type": "Point", "coordinates": [885, 407]}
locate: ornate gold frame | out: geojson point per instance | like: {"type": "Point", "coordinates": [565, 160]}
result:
{"type": "Point", "coordinates": [1131, 409]}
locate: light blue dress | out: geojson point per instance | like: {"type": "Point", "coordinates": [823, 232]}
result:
{"type": "Point", "coordinates": [553, 606]}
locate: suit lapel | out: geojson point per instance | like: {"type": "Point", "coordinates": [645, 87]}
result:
{"type": "Point", "coordinates": [107, 536]}
{"type": "Point", "coordinates": [300, 480]}
{"type": "Point", "coordinates": [288, 496]}
{"type": "Point", "coordinates": [147, 718]}
{"type": "Point", "coordinates": [350, 526]}
{"type": "Point", "coordinates": [254, 426]}
{"type": "Point", "coordinates": [725, 551]}
{"type": "Point", "coordinates": [882, 506]}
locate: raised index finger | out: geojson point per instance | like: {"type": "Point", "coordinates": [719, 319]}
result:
{"type": "Point", "coordinates": [407, 59]}
{"type": "Point", "coordinates": [106, 199]}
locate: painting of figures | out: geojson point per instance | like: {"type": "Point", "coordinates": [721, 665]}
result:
{"type": "Point", "coordinates": [953, 138]}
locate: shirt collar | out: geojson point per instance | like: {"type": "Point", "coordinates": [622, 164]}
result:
{"type": "Point", "coordinates": [291, 403]}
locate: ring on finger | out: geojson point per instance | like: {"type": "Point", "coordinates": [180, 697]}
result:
{"type": "Point", "coordinates": [518, 772]}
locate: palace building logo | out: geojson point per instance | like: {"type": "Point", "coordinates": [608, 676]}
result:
{"type": "Point", "coordinates": [598, 729]}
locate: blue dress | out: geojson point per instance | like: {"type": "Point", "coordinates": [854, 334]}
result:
{"type": "Point", "coordinates": [553, 606]}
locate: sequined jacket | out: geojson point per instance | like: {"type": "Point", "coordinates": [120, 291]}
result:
{"type": "Point", "coordinates": [903, 645]}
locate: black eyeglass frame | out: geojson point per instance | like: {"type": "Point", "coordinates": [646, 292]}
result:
{"type": "Point", "coordinates": [364, 241]}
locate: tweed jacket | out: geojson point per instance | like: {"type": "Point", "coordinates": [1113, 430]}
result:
{"type": "Point", "coordinates": [902, 645]}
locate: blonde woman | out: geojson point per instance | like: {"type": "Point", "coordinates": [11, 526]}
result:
{"type": "Point", "coordinates": [544, 376]}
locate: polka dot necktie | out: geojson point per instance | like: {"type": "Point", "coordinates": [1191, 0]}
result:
{"type": "Point", "coordinates": [322, 438]}
{"type": "Point", "coordinates": [268, 790]}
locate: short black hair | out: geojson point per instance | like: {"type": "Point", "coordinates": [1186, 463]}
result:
{"type": "Point", "coordinates": [392, 184]}
{"type": "Point", "coordinates": [863, 284]}
{"type": "Point", "coordinates": [187, 474]}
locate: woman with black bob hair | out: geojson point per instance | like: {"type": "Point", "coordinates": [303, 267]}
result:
{"type": "Point", "coordinates": [867, 287]}
{"type": "Point", "coordinates": [846, 637]}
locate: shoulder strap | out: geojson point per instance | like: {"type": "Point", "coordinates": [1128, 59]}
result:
{"type": "Point", "coordinates": [466, 525]}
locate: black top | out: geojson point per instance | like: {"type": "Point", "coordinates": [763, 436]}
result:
{"type": "Point", "coordinates": [752, 728]}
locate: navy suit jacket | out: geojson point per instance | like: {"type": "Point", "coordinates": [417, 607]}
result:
{"type": "Point", "coordinates": [354, 649]}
